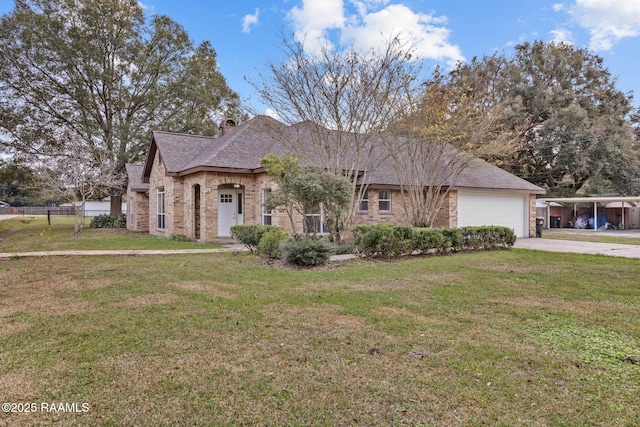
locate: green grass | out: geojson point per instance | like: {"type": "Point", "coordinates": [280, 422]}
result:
{"type": "Point", "coordinates": [589, 236]}
{"type": "Point", "coordinates": [33, 233]}
{"type": "Point", "coordinates": [497, 338]}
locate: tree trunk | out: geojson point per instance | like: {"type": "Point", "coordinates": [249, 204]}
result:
{"type": "Point", "coordinates": [77, 222]}
{"type": "Point", "coordinates": [116, 205]}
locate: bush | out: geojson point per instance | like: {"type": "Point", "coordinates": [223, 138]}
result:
{"type": "Point", "coordinates": [454, 236]}
{"type": "Point", "coordinates": [109, 221]}
{"type": "Point", "coordinates": [383, 240]}
{"type": "Point", "coordinates": [386, 241]}
{"type": "Point", "coordinates": [250, 235]}
{"type": "Point", "coordinates": [426, 240]}
{"type": "Point", "coordinates": [307, 251]}
{"type": "Point", "coordinates": [487, 237]}
{"type": "Point", "coordinates": [345, 247]}
{"type": "Point", "coordinates": [270, 242]}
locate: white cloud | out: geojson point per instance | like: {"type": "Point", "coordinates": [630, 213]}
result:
{"type": "Point", "coordinates": [271, 113]}
{"type": "Point", "coordinates": [313, 21]}
{"type": "Point", "coordinates": [562, 35]}
{"type": "Point", "coordinates": [249, 20]}
{"type": "Point", "coordinates": [608, 21]}
{"type": "Point", "coordinates": [558, 7]}
{"type": "Point", "coordinates": [372, 23]}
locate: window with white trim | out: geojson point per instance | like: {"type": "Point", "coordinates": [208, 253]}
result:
{"type": "Point", "coordinates": [314, 221]}
{"type": "Point", "coordinates": [161, 212]}
{"type": "Point", "coordinates": [384, 201]}
{"type": "Point", "coordinates": [363, 204]}
{"type": "Point", "coordinates": [266, 215]}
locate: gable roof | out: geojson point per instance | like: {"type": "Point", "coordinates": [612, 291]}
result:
{"type": "Point", "coordinates": [241, 150]}
{"type": "Point", "coordinates": [134, 172]}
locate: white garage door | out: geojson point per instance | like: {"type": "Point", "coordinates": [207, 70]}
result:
{"type": "Point", "coordinates": [508, 210]}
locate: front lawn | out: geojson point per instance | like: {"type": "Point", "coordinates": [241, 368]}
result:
{"type": "Point", "coordinates": [33, 233]}
{"type": "Point", "coordinates": [497, 338]}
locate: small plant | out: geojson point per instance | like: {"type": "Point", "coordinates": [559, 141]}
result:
{"type": "Point", "coordinates": [270, 242]}
{"type": "Point", "coordinates": [345, 247]}
{"type": "Point", "coordinates": [250, 235]}
{"type": "Point", "coordinates": [307, 251]}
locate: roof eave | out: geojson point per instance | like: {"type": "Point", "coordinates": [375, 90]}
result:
{"type": "Point", "coordinates": [198, 169]}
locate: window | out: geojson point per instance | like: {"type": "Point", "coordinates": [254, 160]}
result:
{"type": "Point", "coordinates": [384, 201]}
{"type": "Point", "coordinates": [130, 209]}
{"type": "Point", "coordinates": [363, 205]}
{"type": "Point", "coordinates": [161, 213]}
{"type": "Point", "coordinates": [314, 221]}
{"type": "Point", "coordinates": [266, 215]}
{"type": "Point", "coordinates": [226, 198]}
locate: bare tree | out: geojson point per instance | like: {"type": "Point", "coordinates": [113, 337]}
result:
{"type": "Point", "coordinates": [77, 175]}
{"type": "Point", "coordinates": [339, 103]}
{"type": "Point", "coordinates": [437, 141]}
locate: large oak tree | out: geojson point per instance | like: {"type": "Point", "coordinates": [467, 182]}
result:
{"type": "Point", "coordinates": [568, 124]}
{"type": "Point", "coordinates": [103, 73]}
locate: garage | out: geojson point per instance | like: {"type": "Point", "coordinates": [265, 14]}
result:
{"type": "Point", "coordinates": [494, 208]}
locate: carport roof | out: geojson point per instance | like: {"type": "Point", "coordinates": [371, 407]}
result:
{"type": "Point", "coordinates": [598, 199]}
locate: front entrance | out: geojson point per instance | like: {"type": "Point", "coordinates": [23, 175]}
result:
{"type": "Point", "coordinates": [230, 209]}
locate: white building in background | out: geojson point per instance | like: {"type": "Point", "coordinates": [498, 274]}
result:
{"type": "Point", "coordinates": [97, 207]}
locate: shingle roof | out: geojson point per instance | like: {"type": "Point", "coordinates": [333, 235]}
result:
{"type": "Point", "coordinates": [241, 149]}
{"type": "Point", "coordinates": [134, 172]}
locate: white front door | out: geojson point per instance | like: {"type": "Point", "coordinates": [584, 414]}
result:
{"type": "Point", "coordinates": [230, 211]}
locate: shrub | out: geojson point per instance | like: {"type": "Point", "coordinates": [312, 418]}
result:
{"type": "Point", "coordinates": [250, 235]}
{"type": "Point", "coordinates": [487, 237]}
{"type": "Point", "coordinates": [454, 236]}
{"type": "Point", "coordinates": [383, 240]}
{"type": "Point", "coordinates": [307, 251]}
{"type": "Point", "coordinates": [270, 242]}
{"type": "Point", "coordinates": [426, 240]}
{"type": "Point", "coordinates": [345, 247]}
{"type": "Point", "coordinates": [109, 221]}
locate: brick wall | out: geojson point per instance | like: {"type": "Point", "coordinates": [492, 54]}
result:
{"type": "Point", "coordinates": [139, 202]}
{"type": "Point", "coordinates": [398, 215]}
{"type": "Point", "coordinates": [532, 215]}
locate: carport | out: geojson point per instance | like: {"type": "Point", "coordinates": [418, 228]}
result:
{"type": "Point", "coordinates": [631, 201]}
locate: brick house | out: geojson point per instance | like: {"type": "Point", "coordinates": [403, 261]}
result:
{"type": "Point", "coordinates": [201, 186]}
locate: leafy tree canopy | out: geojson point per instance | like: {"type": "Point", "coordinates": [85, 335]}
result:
{"type": "Point", "coordinates": [569, 127]}
{"type": "Point", "coordinates": [102, 72]}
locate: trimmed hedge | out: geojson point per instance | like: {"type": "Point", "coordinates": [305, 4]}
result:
{"type": "Point", "coordinates": [427, 240]}
{"type": "Point", "coordinates": [383, 240]}
{"type": "Point", "coordinates": [487, 237]}
{"type": "Point", "coordinates": [390, 241]}
{"type": "Point", "coordinates": [108, 221]}
{"type": "Point", "coordinates": [250, 235]}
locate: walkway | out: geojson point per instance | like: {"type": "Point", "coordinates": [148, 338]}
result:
{"type": "Point", "coordinates": [592, 248]}
{"type": "Point", "coordinates": [233, 248]}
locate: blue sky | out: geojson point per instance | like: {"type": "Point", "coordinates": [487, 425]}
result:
{"type": "Point", "coordinates": [246, 34]}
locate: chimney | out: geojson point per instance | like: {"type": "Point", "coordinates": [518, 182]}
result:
{"type": "Point", "coordinates": [226, 126]}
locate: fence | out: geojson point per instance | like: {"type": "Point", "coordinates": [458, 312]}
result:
{"type": "Point", "coordinates": [38, 210]}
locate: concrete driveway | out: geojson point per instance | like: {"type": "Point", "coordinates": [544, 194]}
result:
{"type": "Point", "coordinates": [554, 245]}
